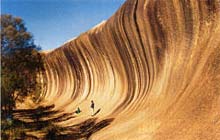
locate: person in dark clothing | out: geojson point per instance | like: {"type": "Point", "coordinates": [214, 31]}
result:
{"type": "Point", "coordinates": [78, 110]}
{"type": "Point", "coordinates": [92, 106]}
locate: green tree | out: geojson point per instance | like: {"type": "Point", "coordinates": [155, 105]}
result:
{"type": "Point", "coordinates": [21, 63]}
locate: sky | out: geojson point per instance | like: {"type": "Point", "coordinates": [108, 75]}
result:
{"type": "Point", "coordinates": [53, 22]}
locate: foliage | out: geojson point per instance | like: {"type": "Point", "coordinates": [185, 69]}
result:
{"type": "Point", "coordinates": [21, 62]}
{"type": "Point", "coordinates": [14, 34]}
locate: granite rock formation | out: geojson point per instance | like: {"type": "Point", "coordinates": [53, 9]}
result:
{"type": "Point", "coordinates": [154, 67]}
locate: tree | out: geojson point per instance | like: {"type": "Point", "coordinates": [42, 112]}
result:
{"type": "Point", "coordinates": [21, 62]}
{"type": "Point", "coordinates": [14, 34]}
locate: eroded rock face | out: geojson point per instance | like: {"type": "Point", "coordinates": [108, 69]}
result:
{"type": "Point", "coordinates": [154, 66]}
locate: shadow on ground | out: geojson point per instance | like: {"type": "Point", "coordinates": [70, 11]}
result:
{"type": "Point", "coordinates": [43, 123]}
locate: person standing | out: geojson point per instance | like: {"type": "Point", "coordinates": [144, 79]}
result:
{"type": "Point", "coordinates": [92, 106]}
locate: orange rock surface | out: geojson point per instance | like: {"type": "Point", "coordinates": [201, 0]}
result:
{"type": "Point", "coordinates": [154, 67]}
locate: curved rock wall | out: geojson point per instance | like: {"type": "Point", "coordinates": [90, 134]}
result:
{"type": "Point", "coordinates": [154, 66]}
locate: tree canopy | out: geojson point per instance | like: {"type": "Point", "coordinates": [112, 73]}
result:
{"type": "Point", "coordinates": [14, 34]}
{"type": "Point", "coordinates": [21, 62]}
